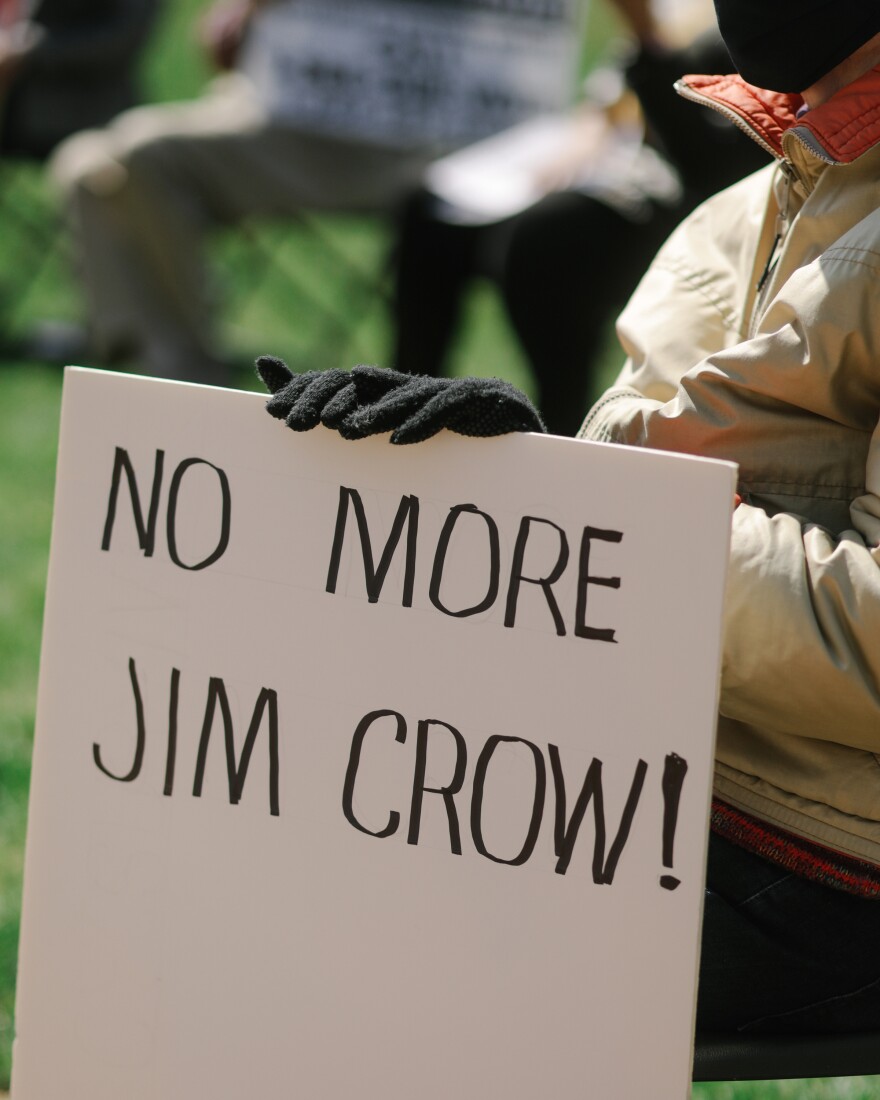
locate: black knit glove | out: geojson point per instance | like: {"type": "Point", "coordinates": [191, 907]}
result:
{"type": "Point", "coordinates": [371, 400]}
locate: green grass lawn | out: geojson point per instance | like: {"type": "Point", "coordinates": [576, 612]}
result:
{"type": "Point", "coordinates": [29, 401]}
{"type": "Point", "coordinates": [824, 1088]}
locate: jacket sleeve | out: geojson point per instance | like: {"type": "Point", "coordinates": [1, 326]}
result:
{"type": "Point", "coordinates": [802, 623]}
{"type": "Point", "coordinates": [802, 616]}
{"type": "Point", "coordinates": [686, 308]}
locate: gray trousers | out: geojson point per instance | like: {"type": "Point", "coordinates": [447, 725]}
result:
{"type": "Point", "coordinates": [141, 194]}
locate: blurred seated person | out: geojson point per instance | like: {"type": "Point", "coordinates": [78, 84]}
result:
{"type": "Point", "coordinates": [590, 209]}
{"type": "Point", "coordinates": [142, 193]}
{"type": "Point", "coordinates": [66, 65]}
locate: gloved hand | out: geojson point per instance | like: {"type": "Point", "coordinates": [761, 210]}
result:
{"type": "Point", "coordinates": [371, 400]}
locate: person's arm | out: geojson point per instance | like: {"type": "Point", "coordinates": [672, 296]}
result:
{"type": "Point", "coordinates": [801, 652]}
{"type": "Point", "coordinates": [638, 15]}
{"type": "Point", "coordinates": [684, 310]}
{"type": "Point", "coordinates": [802, 613]}
{"type": "Point", "coordinates": [802, 619]}
{"type": "Point", "coordinates": [224, 28]}
{"type": "Point", "coordinates": [708, 150]}
{"type": "Point", "coordinates": [17, 43]}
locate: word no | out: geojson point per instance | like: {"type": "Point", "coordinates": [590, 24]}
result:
{"type": "Point", "coordinates": [146, 527]}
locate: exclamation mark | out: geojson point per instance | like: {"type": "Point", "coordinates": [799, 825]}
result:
{"type": "Point", "coordinates": [674, 770]}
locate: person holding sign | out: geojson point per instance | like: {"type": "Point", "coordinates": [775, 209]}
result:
{"type": "Point", "coordinates": [754, 337]}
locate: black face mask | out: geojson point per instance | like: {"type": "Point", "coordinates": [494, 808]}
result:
{"type": "Point", "coordinates": [787, 45]}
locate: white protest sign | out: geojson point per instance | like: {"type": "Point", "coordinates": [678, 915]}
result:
{"type": "Point", "coordinates": [413, 72]}
{"type": "Point", "coordinates": [365, 770]}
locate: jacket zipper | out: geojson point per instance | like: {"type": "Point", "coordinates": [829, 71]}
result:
{"type": "Point", "coordinates": [811, 143]}
{"type": "Point", "coordinates": [799, 133]}
{"type": "Point", "coordinates": [780, 231]}
{"type": "Point", "coordinates": [686, 92]}
{"type": "Point", "coordinates": [781, 227]}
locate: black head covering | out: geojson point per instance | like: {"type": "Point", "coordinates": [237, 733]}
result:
{"type": "Point", "coordinates": [787, 45]}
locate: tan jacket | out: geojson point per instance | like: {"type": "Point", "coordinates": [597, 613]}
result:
{"type": "Point", "coordinates": [784, 381]}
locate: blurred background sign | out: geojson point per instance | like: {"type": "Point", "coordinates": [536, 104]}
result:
{"type": "Point", "coordinates": [407, 72]}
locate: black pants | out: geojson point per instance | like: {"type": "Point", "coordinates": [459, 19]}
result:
{"type": "Point", "coordinates": [564, 268]}
{"type": "Point", "coordinates": [782, 954]}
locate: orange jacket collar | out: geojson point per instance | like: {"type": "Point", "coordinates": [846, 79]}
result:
{"type": "Point", "coordinates": [845, 127]}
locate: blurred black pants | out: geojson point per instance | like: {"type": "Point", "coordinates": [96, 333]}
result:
{"type": "Point", "coordinates": [783, 955]}
{"type": "Point", "coordinates": [564, 268]}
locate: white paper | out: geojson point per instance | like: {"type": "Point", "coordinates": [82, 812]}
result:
{"type": "Point", "coordinates": [509, 172]}
{"type": "Point", "coordinates": [412, 72]}
{"type": "Point", "coordinates": [180, 945]}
